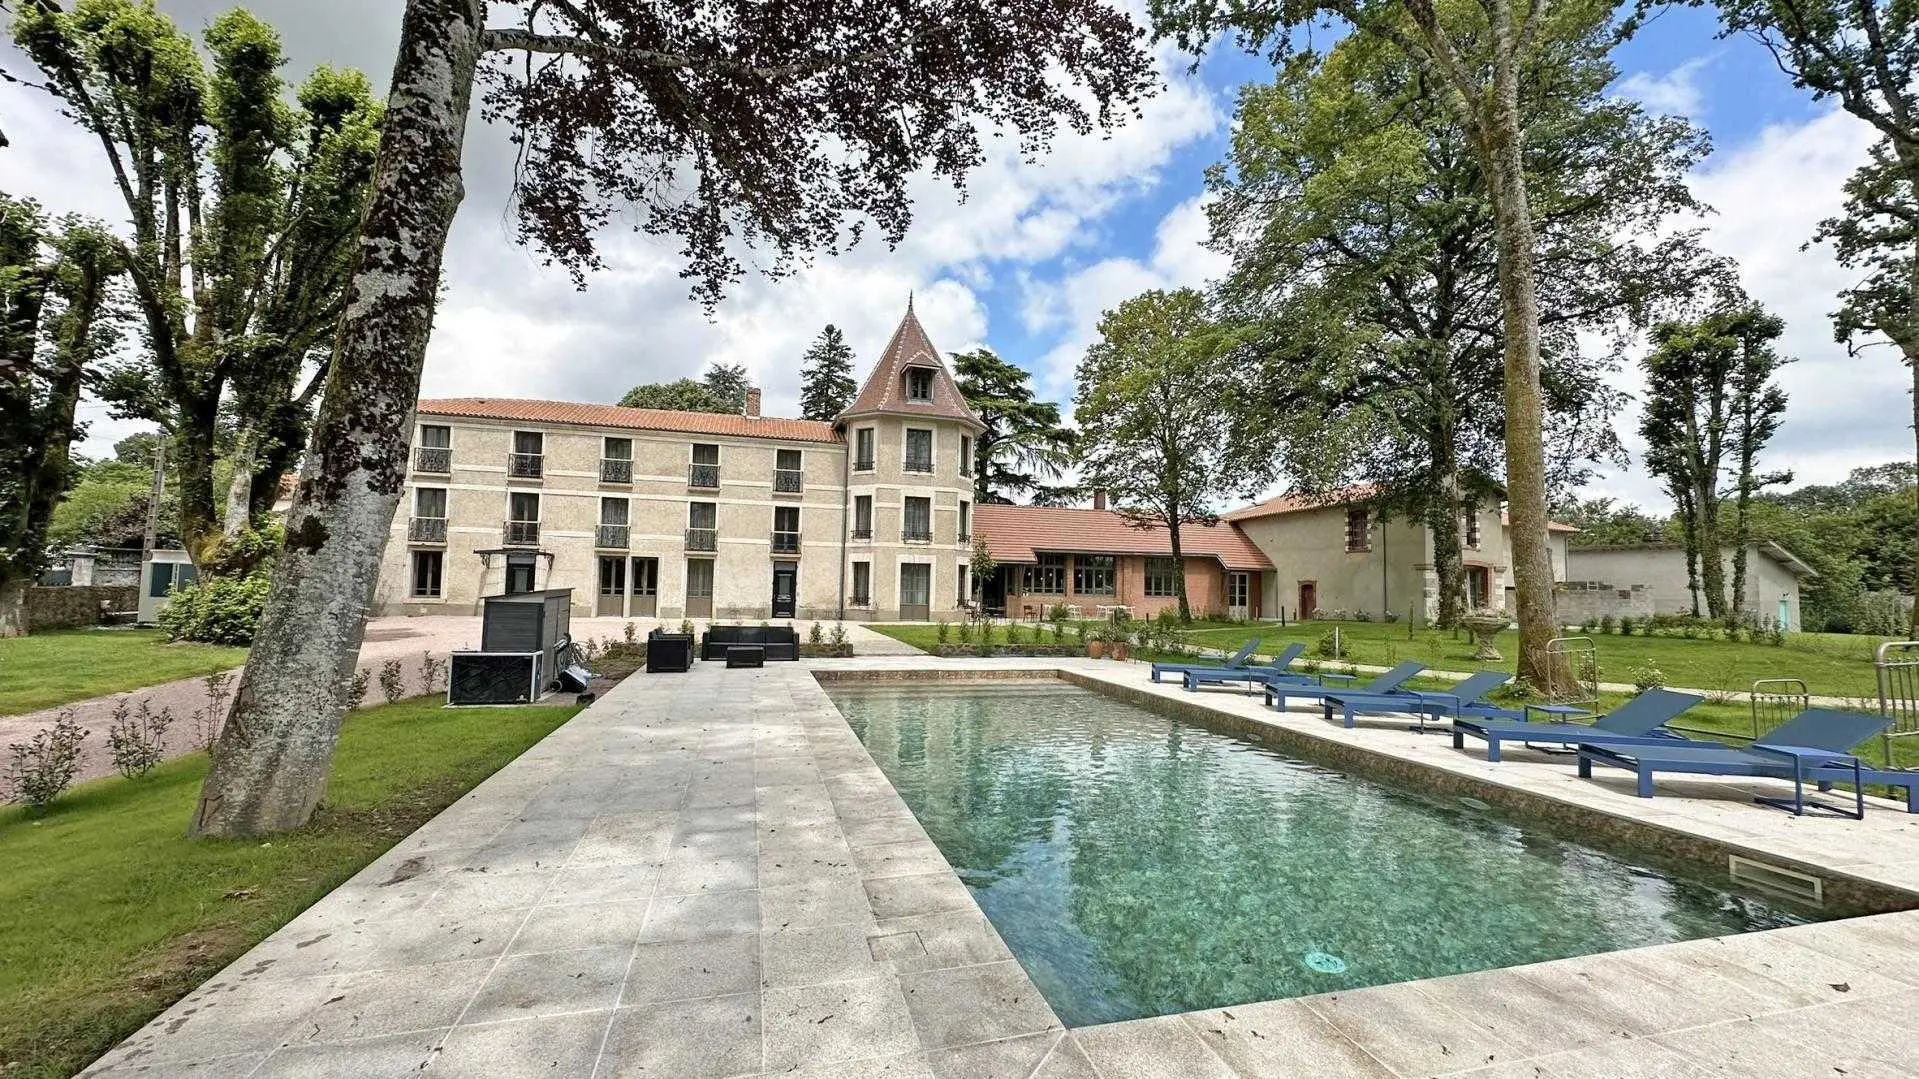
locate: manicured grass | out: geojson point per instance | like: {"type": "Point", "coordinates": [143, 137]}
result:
{"type": "Point", "coordinates": [112, 915]}
{"type": "Point", "coordinates": [48, 669]}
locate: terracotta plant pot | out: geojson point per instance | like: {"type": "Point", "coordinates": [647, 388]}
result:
{"type": "Point", "coordinates": [1095, 649]}
{"type": "Point", "coordinates": [1120, 651]}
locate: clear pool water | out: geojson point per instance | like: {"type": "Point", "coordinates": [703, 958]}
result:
{"type": "Point", "coordinates": [1141, 866]}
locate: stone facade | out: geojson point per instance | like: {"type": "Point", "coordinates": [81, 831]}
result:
{"type": "Point", "coordinates": [1772, 577]}
{"type": "Point", "coordinates": [689, 515]}
{"type": "Point", "coordinates": [75, 606]}
{"type": "Point", "coordinates": [1578, 602]}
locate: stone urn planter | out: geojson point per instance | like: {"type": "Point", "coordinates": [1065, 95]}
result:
{"type": "Point", "coordinates": [1484, 626]}
{"type": "Point", "coordinates": [1095, 649]}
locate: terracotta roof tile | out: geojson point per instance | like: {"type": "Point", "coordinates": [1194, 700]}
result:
{"type": "Point", "coordinates": [632, 419]}
{"type": "Point", "coordinates": [884, 390]}
{"type": "Point", "coordinates": [1294, 503]}
{"type": "Point", "coordinates": [1016, 533]}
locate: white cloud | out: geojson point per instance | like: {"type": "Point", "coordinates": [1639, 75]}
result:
{"type": "Point", "coordinates": [1073, 306]}
{"type": "Point", "coordinates": [1770, 194]}
{"type": "Point", "coordinates": [510, 326]}
{"type": "Point", "coordinates": [1676, 92]}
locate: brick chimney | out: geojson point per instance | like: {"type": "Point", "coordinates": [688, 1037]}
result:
{"type": "Point", "coordinates": [1099, 498]}
{"type": "Point", "coordinates": [753, 402]}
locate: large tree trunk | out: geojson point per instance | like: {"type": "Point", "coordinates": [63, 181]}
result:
{"type": "Point", "coordinates": [1519, 304]}
{"type": "Point", "coordinates": [13, 607]}
{"type": "Point", "coordinates": [239, 509]}
{"type": "Point", "coordinates": [192, 460]}
{"type": "Point", "coordinates": [1443, 510]}
{"type": "Point", "coordinates": [1908, 342]}
{"type": "Point", "coordinates": [1712, 563]}
{"type": "Point", "coordinates": [271, 763]}
{"type": "Point", "coordinates": [1179, 568]}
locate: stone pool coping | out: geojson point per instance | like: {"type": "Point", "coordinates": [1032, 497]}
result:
{"type": "Point", "coordinates": [706, 875]}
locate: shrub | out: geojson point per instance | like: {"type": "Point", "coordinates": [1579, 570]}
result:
{"type": "Point", "coordinates": [137, 738]}
{"type": "Point", "coordinates": [1775, 633]}
{"type": "Point", "coordinates": [432, 667]}
{"type": "Point", "coordinates": [1625, 625]}
{"type": "Point", "coordinates": [1647, 677]}
{"type": "Point", "coordinates": [941, 632]}
{"type": "Point", "coordinates": [631, 632]}
{"type": "Point", "coordinates": [1327, 645]}
{"type": "Point", "coordinates": [1079, 632]}
{"type": "Point", "coordinates": [206, 721]}
{"type": "Point", "coordinates": [218, 610]}
{"type": "Point", "coordinates": [39, 769]}
{"type": "Point", "coordinates": [816, 635]}
{"type": "Point", "coordinates": [985, 636]}
{"type": "Point", "coordinates": [965, 632]}
{"type": "Point", "coordinates": [356, 692]}
{"type": "Point", "coordinates": [1606, 623]}
{"type": "Point", "coordinates": [686, 625]}
{"type": "Point", "coordinates": [838, 636]}
{"type": "Point", "coordinates": [393, 680]}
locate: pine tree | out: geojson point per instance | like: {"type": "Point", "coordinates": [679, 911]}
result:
{"type": "Point", "coordinates": [826, 376]}
{"type": "Point", "coordinates": [727, 383]}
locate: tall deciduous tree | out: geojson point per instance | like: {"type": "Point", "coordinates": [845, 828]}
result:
{"type": "Point", "coordinates": [57, 318]}
{"type": "Point", "coordinates": [1865, 55]}
{"type": "Point", "coordinates": [1711, 407]}
{"type": "Point", "coordinates": [1156, 410]}
{"type": "Point", "coordinates": [241, 209]}
{"type": "Point", "coordinates": [721, 389]}
{"type": "Point", "coordinates": [1024, 446]}
{"type": "Point", "coordinates": [1474, 56]}
{"type": "Point", "coordinates": [730, 124]}
{"type": "Point", "coordinates": [727, 383]}
{"type": "Point", "coordinates": [1358, 223]}
{"type": "Point", "coordinates": [826, 376]}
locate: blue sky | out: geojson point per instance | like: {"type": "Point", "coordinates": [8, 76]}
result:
{"type": "Point", "coordinates": [1038, 250]}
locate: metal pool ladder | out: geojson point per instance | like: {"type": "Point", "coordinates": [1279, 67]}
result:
{"type": "Point", "coordinates": [1896, 663]}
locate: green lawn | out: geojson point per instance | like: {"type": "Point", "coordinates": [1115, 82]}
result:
{"type": "Point", "coordinates": [112, 914]}
{"type": "Point", "coordinates": [48, 669]}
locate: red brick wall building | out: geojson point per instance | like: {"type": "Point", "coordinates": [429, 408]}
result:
{"type": "Point", "coordinates": [1100, 558]}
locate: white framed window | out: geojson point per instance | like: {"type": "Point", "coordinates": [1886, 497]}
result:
{"type": "Point", "coordinates": [919, 384]}
{"type": "Point", "coordinates": [862, 584]}
{"type": "Point", "coordinates": [1359, 529]}
{"type": "Point", "coordinates": [1162, 577]}
{"type": "Point", "coordinates": [863, 440]}
{"type": "Point", "coordinates": [427, 574]}
{"type": "Point", "coordinates": [919, 450]}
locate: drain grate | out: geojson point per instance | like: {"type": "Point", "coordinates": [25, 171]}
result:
{"type": "Point", "coordinates": [1777, 879]}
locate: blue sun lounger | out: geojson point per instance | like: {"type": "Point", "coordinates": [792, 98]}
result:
{"type": "Point", "coordinates": [1236, 660]}
{"type": "Point", "coordinates": [1466, 698]}
{"type": "Point", "coordinates": [1278, 693]}
{"type": "Point", "coordinates": [1252, 673]}
{"type": "Point", "coordinates": [1816, 745]}
{"type": "Point", "coordinates": [1636, 722]}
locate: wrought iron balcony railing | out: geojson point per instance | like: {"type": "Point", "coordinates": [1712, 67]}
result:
{"type": "Point", "coordinates": [917, 533]}
{"type": "Point", "coordinates": [702, 539]}
{"type": "Point", "coordinates": [706, 476]}
{"type": "Point", "coordinates": [433, 459]}
{"type": "Point", "coordinates": [526, 466]}
{"type": "Point", "coordinates": [522, 533]}
{"type": "Point", "coordinates": [786, 543]}
{"type": "Point", "coordinates": [426, 530]}
{"type": "Point", "coordinates": [788, 481]}
{"type": "Point", "coordinates": [919, 464]}
{"type": "Point", "coordinates": [616, 470]}
{"type": "Point", "coordinates": [863, 533]}
{"type": "Point", "coordinates": [863, 464]}
{"type": "Point", "coordinates": [610, 537]}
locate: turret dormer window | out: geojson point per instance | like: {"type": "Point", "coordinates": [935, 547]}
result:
{"type": "Point", "coordinates": [919, 384]}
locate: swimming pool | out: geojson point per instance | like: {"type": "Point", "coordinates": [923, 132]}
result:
{"type": "Point", "coordinates": [1138, 865]}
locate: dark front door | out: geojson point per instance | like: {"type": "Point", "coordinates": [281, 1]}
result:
{"type": "Point", "coordinates": [916, 592]}
{"type": "Point", "coordinates": [786, 578]}
{"type": "Point", "coordinates": [519, 574]}
{"type": "Point", "coordinates": [1308, 600]}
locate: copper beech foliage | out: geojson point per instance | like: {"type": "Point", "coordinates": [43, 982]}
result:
{"type": "Point", "coordinates": [788, 128]}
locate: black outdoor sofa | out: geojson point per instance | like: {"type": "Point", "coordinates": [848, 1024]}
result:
{"type": "Point", "coordinates": [779, 642]}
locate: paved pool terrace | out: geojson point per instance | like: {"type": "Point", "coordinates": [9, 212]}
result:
{"type": "Point", "coordinates": [706, 875]}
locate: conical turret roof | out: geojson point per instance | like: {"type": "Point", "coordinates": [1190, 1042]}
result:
{"type": "Point", "coordinates": [885, 388]}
